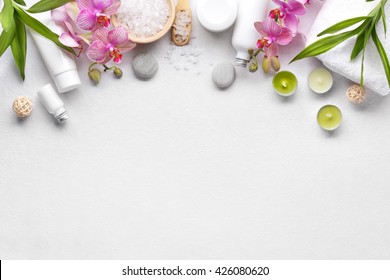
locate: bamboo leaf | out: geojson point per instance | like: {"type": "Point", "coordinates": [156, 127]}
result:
{"type": "Point", "coordinates": [362, 68]}
{"type": "Point", "coordinates": [6, 15]}
{"type": "Point", "coordinates": [47, 5]}
{"type": "Point", "coordinates": [6, 38]}
{"type": "Point", "coordinates": [41, 29]}
{"type": "Point", "coordinates": [384, 17]}
{"type": "Point", "coordinates": [342, 25]}
{"type": "Point", "coordinates": [359, 45]}
{"type": "Point", "coordinates": [19, 46]}
{"type": "Point", "coordinates": [323, 45]}
{"type": "Point", "coordinates": [382, 54]}
{"type": "Point", "coordinates": [20, 2]}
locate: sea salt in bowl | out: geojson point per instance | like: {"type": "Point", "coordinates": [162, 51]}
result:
{"type": "Point", "coordinates": [145, 21]}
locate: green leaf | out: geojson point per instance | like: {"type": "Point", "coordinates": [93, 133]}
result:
{"type": "Point", "coordinates": [359, 45]}
{"type": "Point", "coordinates": [342, 25]}
{"type": "Point", "coordinates": [7, 14]}
{"type": "Point", "coordinates": [384, 17]}
{"type": "Point", "coordinates": [19, 46]}
{"type": "Point", "coordinates": [41, 29]}
{"type": "Point", "coordinates": [362, 68]}
{"type": "Point", "coordinates": [6, 38]}
{"type": "Point", "coordinates": [47, 5]}
{"type": "Point", "coordinates": [20, 2]}
{"type": "Point", "coordinates": [382, 54]}
{"type": "Point", "coordinates": [323, 45]}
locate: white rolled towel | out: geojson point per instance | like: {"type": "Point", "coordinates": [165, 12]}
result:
{"type": "Point", "coordinates": [338, 59]}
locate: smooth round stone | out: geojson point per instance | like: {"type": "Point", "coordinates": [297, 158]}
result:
{"type": "Point", "coordinates": [224, 74]}
{"type": "Point", "coordinates": [145, 66]}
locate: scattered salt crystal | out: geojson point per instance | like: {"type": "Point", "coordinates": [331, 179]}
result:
{"type": "Point", "coordinates": [142, 18]}
{"type": "Point", "coordinates": [177, 67]}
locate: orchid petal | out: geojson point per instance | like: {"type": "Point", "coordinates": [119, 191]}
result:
{"type": "Point", "coordinates": [272, 50]}
{"type": "Point", "coordinates": [101, 34]}
{"type": "Point", "coordinates": [86, 20]}
{"type": "Point", "coordinates": [258, 27]}
{"type": "Point", "coordinates": [101, 5]}
{"type": "Point", "coordinates": [271, 28]}
{"type": "Point", "coordinates": [59, 15]}
{"type": "Point", "coordinates": [85, 5]}
{"type": "Point", "coordinates": [291, 22]}
{"type": "Point", "coordinates": [113, 8]}
{"type": "Point", "coordinates": [70, 29]}
{"type": "Point", "coordinates": [97, 52]}
{"type": "Point", "coordinates": [126, 47]}
{"type": "Point", "coordinates": [285, 37]}
{"type": "Point", "coordinates": [68, 40]}
{"type": "Point", "coordinates": [297, 8]}
{"type": "Point", "coordinates": [118, 36]}
{"type": "Point", "coordinates": [282, 4]}
{"type": "Point", "coordinates": [72, 10]}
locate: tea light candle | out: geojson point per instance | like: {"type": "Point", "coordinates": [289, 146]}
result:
{"type": "Point", "coordinates": [329, 117]}
{"type": "Point", "coordinates": [320, 80]}
{"type": "Point", "coordinates": [285, 83]}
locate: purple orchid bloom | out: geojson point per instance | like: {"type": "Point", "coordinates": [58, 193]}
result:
{"type": "Point", "coordinates": [96, 13]}
{"type": "Point", "coordinates": [273, 33]}
{"type": "Point", "coordinates": [288, 12]}
{"type": "Point", "coordinates": [109, 45]}
{"type": "Point", "coordinates": [65, 17]}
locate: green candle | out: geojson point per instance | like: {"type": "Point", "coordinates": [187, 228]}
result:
{"type": "Point", "coordinates": [285, 83]}
{"type": "Point", "coordinates": [329, 117]}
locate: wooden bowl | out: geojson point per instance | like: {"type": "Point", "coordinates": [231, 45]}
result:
{"type": "Point", "coordinates": [153, 38]}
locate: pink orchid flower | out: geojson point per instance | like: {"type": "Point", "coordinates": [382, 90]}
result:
{"type": "Point", "coordinates": [288, 12]}
{"type": "Point", "coordinates": [96, 13]}
{"type": "Point", "coordinates": [273, 34]}
{"type": "Point", "coordinates": [109, 45]}
{"type": "Point", "coordinates": [65, 17]}
{"type": "Point", "coordinates": [272, 51]}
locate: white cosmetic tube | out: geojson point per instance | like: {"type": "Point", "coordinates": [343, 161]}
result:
{"type": "Point", "coordinates": [60, 64]}
{"type": "Point", "coordinates": [245, 35]}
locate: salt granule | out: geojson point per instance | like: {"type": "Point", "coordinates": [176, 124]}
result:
{"type": "Point", "coordinates": [183, 19]}
{"type": "Point", "coordinates": [142, 18]}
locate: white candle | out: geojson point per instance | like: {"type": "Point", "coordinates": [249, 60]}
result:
{"type": "Point", "coordinates": [320, 80]}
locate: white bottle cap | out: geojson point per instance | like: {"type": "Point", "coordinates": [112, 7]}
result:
{"type": "Point", "coordinates": [217, 15]}
{"type": "Point", "coordinates": [67, 81]}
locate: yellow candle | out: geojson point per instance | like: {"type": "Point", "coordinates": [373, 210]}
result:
{"type": "Point", "coordinates": [329, 117]}
{"type": "Point", "coordinates": [285, 83]}
{"type": "Point", "coordinates": [320, 80]}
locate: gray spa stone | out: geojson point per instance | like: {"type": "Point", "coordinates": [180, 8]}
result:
{"type": "Point", "coordinates": [224, 74]}
{"type": "Point", "coordinates": [145, 66]}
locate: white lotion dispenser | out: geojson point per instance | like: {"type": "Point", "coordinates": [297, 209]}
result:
{"type": "Point", "coordinates": [245, 35]}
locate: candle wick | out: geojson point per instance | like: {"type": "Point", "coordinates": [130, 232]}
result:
{"type": "Point", "coordinates": [284, 85]}
{"type": "Point", "coordinates": [329, 116]}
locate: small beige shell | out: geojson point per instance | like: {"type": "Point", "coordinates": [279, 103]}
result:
{"type": "Point", "coordinates": [356, 94]}
{"type": "Point", "coordinates": [22, 106]}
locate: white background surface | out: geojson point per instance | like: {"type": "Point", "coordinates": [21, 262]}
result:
{"type": "Point", "coordinates": [175, 168]}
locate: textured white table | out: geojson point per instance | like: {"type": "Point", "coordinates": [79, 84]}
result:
{"type": "Point", "coordinates": [175, 168]}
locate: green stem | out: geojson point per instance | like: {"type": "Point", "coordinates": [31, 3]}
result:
{"type": "Point", "coordinates": [106, 68]}
{"type": "Point", "coordinates": [90, 66]}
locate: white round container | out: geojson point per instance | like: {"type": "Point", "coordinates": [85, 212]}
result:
{"type": "Point", "coordinates": [217, 15]}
